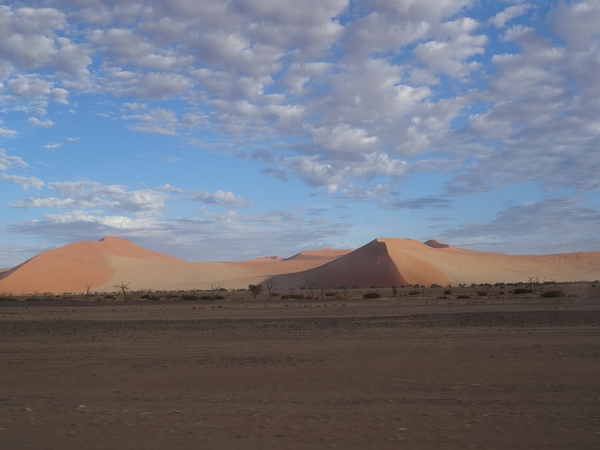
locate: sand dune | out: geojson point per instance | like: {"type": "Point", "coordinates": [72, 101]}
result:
{"type": "Point", "coordinates": [381, 262]}
{"type": "Point", "coordinates": [112, 261]}
{"type": "Point", "coordinates": [391, 261]}
{"type": "Point", "coordinates": [69, 268]}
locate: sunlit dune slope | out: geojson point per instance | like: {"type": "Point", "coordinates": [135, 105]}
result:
{"type": "Point", "coordinates": [391, 261]}
{"type": "Point", "coordinates": [70, 268]}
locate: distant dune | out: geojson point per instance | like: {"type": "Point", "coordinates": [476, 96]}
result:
{"type": "Point", "coordinates": [381, 262]}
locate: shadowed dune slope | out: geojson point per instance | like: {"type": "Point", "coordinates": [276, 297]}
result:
{"type": "Point", "coordinates": [374, 264]}
{"type": "Point", "coordinates": [69, 268]}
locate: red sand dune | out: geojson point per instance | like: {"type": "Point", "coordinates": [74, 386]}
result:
{"type": "Point", "coordinates": [391, 261]}
{"type": "Point", "coordinates": [382, 262]}
{"type": "Point", "coordinates": [69, 268]}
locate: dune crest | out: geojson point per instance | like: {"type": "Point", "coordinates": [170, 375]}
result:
{"type": "Point", "coordinates": [324, 253]}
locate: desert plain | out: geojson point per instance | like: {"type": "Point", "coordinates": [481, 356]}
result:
{"type": "Point", "coordinates": [455, 366]}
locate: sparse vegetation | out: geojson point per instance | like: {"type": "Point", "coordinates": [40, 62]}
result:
{"type": "Point", "coordinates": [270, 283]}
{"type": "Point", "coordinates": [371, 295]}
{"type": "Point", "coordinates": [255, 289]}
{"type": "Point", "coordinates": [523, 291]}
{"type": "Point", "coordinates": [310, 285]}
{"type": "Point", "coordinates": [482, 293]}
{"type": "Point", "coordinates": [123, 287]}
{"type": "Point", "coordinates": [211, 297]}
{"type": "Point", "coordinates": [292, 296]}
{"type": "Point", "coordinates": [554, 293]}
{"type": "Point", "coordinates": [414, 292]}
{"type": "Point", "coordinates": [463, 297]}
{"type": "Point", "coordinates": [447, 291]}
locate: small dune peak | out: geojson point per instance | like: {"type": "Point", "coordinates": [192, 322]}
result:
{"type": "Point", "coordinates": [112, 239]}
{"type": "Point", "coordinates": [435, 244]}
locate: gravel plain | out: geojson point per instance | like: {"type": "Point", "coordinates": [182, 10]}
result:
{"type": "Point", "coordinates": [355, 374]}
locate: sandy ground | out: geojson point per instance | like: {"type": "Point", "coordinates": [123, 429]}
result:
{"type": "Point", "coordinates": [387, 374]}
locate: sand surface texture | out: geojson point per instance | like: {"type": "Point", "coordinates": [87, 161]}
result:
{"type": "Point", "coordinates": [351, 374]}
{"type": "Point", "coordinates": [382, 262]}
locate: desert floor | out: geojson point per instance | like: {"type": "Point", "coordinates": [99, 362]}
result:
{"type": "Point", "coordinates": [409, 373]}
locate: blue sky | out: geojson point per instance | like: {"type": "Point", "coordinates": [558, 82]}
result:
{"type": "Point", "coordinates": [215, 130]}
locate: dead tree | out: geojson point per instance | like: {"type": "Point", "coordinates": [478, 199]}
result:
{"type": "Point", "coordinates": [310, 285]}
{"type": "Point", "coordinates": [123, 287]}
{"type": "Point", "coordinates": [270, 284]}
{"type": "Point", "coordinates": [88, 286]}
{"type": "Point", "coordinates": [216, 287]}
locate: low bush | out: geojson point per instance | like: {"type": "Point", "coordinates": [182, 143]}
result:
{"type": "Point", "coordinates": [556, 293]}
{"type": "Point", "coordinates": [463, 297]}
{"type": "Point", "coordinates": [189, 297]}
{"type": "Point", "coordinates": [8, 299]}
{"type": "Point", "coordinates": [372, 295]}
{"type": "Point", "coordinates": [32, 299]}
{"type": "Point", "coordinates": [448, 292]}
{"type": "Point", "coordinates": [523, 291]}
{"type": "Point", "coordinates": [414, 292]}
{"type": "Point", "coordinates": [211, 297]}
{"type": "Point", "coordinates": [482, 293]}
{"type": "Point", "coordinates": [292, 297]}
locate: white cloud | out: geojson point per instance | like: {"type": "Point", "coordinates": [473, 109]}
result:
{"type": "Point", "coordinates": [24, 182]}
{"type": "Point", "coordinates": [5, 132]}
{"type": "Point", "coordinates": [7, 161]}
{"type": "Point", "coordinates": [41, 123]}
{"type": "Point", "coordinates": [52, 145]}
{"type": "Point", "coordinates": [81, 195]}
{"type": "Point", "coordinates": [510, 13]}
{"type": "Point", "coordinates": [577, 22]}
{"type": "Point", "coordinates": [221, 198]}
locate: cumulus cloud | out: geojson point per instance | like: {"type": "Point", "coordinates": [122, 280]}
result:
{"type": "Point", "coordinates": [52, 145]}
{"type": "Point", "coordinates": [7, 161]}
{"type": "Point", "coordinates": [500, 19]}
{"type": "Point", "coordinates": [5, 132]}
{"type": "Point", "coordinates": [41, 123]}
{"type": "Point", "coordinates": [24, 182]}
{"type": "Point", "coordinates": [82, 195]}
{"type": "Point", "coordinates": [221, 198]}
{"type": "Point", "coordinates": [351, 97]}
